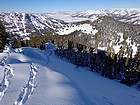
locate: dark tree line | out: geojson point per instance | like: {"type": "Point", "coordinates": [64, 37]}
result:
{"type": "Point", "coordinates": [36, 42]}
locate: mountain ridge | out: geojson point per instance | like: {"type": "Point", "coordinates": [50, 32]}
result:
{"type": "Point", "coordinates": [28, 24]}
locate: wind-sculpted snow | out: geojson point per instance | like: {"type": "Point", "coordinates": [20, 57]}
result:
{"type": "Point", "coordinates": [36, 55]}
{"type": "Point", "coordinates": [27, 91]}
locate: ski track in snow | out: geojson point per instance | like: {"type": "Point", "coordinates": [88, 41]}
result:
{"type": "Point", "coordinates": [61, 83]}
{"type": "Point", "coordinates": [28, 90]}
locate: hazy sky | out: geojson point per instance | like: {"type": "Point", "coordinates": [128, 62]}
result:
{"type": "Point", "coordinates": [64, 5]}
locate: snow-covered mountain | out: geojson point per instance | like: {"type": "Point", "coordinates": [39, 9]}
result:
{"type": "Point", "coordinates": [24, 24]}
{"type": "Point", "coordinates": [110, 32]}
{"type": "Point", "coordinates": [27, 24]}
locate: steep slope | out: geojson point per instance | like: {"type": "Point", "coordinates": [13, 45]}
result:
{"type": "Point", "coordinates": [118, 34]}
{"type": "Point", "coordinates": [28, 24]}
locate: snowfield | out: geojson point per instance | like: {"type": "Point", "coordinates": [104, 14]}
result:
{"type": "Point", "coordinates": [60, 83]}
{"type": "Point", "coordinates": [85, 28]}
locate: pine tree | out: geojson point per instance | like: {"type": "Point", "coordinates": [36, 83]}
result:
{"type": "Point", "coordinates": [3, 36]}
{"type": "Point", "coordinates": [112, 52]}
{"type": "Point", "coordinates": [16, 43]}
{"type": "Point", "coordinates": [128, 56]}
{"type": "Point", "coordinates": [96, 43]}
{"type": "Point", "coordinates": [122, 49]}
{"type": "Point", "coordinates": [108, 48]}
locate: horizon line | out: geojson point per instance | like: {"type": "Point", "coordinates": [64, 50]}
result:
{"type": "Point", "coordinates": [70, 10]}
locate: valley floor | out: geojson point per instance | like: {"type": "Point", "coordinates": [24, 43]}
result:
{"type": "Point", "coordinates": [60, 83]}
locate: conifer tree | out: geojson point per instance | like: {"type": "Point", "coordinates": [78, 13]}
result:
{"type": "Point", "coordinates": [112, 52]}
{"type": "Point", "coordinates": [124, 43]}
{"type": "Point", "coordinates": [108, 48]}
{"type": "Point", "coordinates": [96, 43]}
{"type": "Point", "coordinates": [128, 56]}
{"type": "Point", "coordinates": [3, 36]}
{"type": "Point", "coordinates": [16, 43]}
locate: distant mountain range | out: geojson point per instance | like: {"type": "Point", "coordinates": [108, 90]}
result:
{"type": "Point", "coordinates": [126, 15]}
{"type": "Point", "coordinates": [29, 24]}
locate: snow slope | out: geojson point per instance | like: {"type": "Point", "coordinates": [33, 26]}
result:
{"type": "Point", "coordinates": [60, 83]}
{"type": "Point", "coordinates": [85, 28]}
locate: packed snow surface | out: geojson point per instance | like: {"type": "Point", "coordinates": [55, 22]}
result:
{"type": "Point", "coordinates": [60, 83]}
